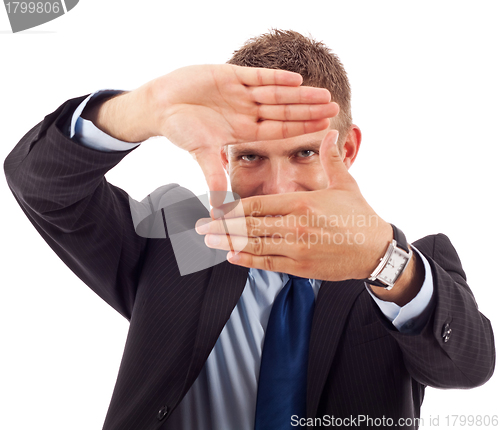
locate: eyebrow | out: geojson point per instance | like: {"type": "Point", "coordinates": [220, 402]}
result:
{"type": "Point", "coordinates": [240, 150]}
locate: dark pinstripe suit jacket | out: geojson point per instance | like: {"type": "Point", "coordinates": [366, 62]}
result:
{"type": "Point", "coordinates": [359, 364]}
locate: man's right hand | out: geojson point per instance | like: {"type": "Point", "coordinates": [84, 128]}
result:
{"type": "Point", "coordinates": [202, 108]}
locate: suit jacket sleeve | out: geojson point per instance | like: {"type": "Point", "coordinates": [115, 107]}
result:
{"type": "Point", "coordinates": [456, 347]}
{"type": "Point", "coordinates": [60, 185]}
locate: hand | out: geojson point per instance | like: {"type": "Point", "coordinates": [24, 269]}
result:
{"type": "Point", "coordinates": [331, 234]}
{"type": "Point", "coordinates": [202, 108]}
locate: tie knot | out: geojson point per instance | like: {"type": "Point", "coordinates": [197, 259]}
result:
{"type": "Point", "coordinates": [297, 281]}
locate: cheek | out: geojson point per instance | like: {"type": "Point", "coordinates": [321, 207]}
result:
{"type": "Point", "coordinates": [312, 177]}
{"type": "Point", "coordinates": [245, 182]}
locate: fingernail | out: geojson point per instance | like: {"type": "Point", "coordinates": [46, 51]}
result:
{"type": "Point", "coordinates": [213, 239]}
{"type": "Point", "coordinates": [202, 226]}
{"type": "Point", "coordinates": [233, 257]}
{"type": "Point", "coordinates": [218, 213]}
{"type": "Point", "coordinates": [336, 138]}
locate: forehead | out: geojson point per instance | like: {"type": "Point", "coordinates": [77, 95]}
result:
{"type": "Point", "coordinates": [279, 146]}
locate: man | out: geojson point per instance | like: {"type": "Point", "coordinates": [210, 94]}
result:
{"type": "Point", "coordinates": [196, 342]}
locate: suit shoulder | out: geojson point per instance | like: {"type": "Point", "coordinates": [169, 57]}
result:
{"type": "Point", "coordinates": [439, 248]}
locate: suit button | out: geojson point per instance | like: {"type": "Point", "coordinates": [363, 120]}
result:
{"type": "Point", "coordinates": [162, 413]}
{"type": "Point", "coordinates": [446, 333]}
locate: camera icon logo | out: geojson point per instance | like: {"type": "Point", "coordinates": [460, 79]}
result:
{"type": "Point", "coordinates": [171, 212]}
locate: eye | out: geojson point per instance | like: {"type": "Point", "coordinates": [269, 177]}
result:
{"type": "Point", "coordinates": [249, 157]}
{"type": "Point", "coordinates": [306, 153]}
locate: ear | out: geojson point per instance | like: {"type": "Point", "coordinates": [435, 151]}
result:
{"type": "Point", "coordinates": [224, 157]}
{"type": "Point", "coordinates": [350, 147]}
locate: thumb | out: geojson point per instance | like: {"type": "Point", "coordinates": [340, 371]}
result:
{"type": "Point", "coordinates": [331, 160]}
{"type": "Point", "coordinates": [215, 176]}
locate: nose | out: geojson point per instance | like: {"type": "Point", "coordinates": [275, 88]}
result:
{"type": "Point", "coordinates": [281, 179]}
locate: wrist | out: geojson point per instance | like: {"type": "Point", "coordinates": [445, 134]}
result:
{"type": "Point", "coordinates": [121, 117]}
{"type": "Point", "coordinates": [399, 274]}
{"type": "Point", "coordinates": [379, 242]}
{"type": "Point", "coordinates": [407, 286]}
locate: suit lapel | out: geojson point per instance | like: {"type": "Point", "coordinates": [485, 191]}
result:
{"type": "Point", "coordinates": [222, 294]}
{"type": "Point", "coordinates": [333, 305]}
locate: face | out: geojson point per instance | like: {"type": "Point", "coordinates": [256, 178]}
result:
{"type": "Point", "coordinates": [282, 166]}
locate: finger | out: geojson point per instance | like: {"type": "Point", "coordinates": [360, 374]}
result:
{"type": "Point", "coordinates": [272, 130]}
{"type": "Point", "coordinates": [278, 95]}
{"type": "Point", "coordinates": [272, 263]}
{"type": "Point", "coordinates": [262, 206]}
{"type": "Point", "coordinates": [222, 210]}
{"type": "Point", "coordinates": [233, 226]}
{"type": "Point", "coordinates": [252, 245]}
{"type": "Point", "coordinates": [242, 226]}
{"type": "Point", "coordinates": [331, 160]}
{"type": "Point", "coordinates": [226, 242]}
{"type": "Point", "coordinates": [254, 76]}
{"type": "Point", "coordinates": [298, 112]}
{"type": "Point", "coordinates": [215, 176]}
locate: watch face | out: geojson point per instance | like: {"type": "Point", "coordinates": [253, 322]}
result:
{"type": "Point", "coordinates": [394, 266]}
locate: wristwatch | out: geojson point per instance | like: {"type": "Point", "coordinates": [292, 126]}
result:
{"type": "Point", "coordinates": [393, 263]}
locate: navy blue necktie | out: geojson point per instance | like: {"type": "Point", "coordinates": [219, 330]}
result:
{"type": "Point", "coordinates": [283, 371]}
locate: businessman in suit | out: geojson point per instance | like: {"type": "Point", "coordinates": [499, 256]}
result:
{"type": "Point", "coordinates": [195, 345]}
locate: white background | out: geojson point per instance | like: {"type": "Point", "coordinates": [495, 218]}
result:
{"type": "Point", "coordinates": [426, 96]}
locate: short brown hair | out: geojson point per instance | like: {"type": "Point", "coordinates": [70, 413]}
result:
{"type": "Point", "coordinates": [318, 65]}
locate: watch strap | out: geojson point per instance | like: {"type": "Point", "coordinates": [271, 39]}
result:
{"type": "Point", "coordinates": [400, 238]}
{"type": "Point", "coordinates": [401, 243]}
{"type": "Point", "coordinates": [375, 282]}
